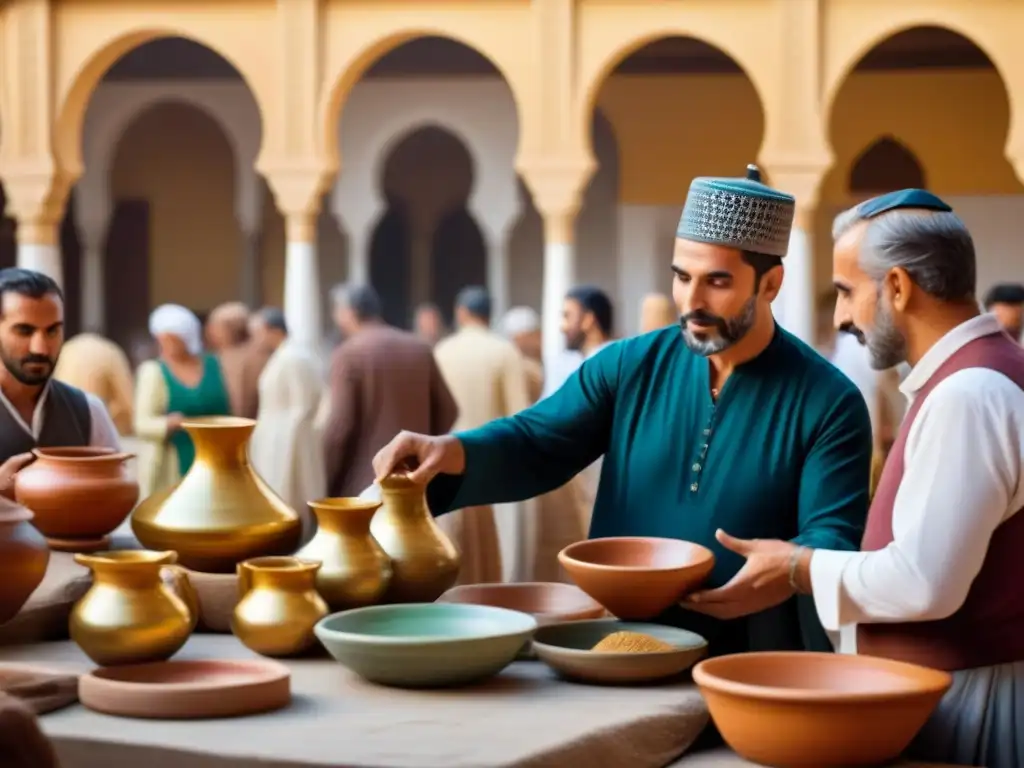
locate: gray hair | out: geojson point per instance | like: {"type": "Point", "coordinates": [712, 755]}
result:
{"type": "Point", "coordinates": [361, 299]}
{"type": "Point", "coordinates": [934, 247]}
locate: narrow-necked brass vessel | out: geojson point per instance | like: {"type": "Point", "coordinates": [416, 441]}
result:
{"type": "Point", "coordinates": [424, 560]}
{"type": "Point", "coordinates": [355, 571]}
{"type": "Point", "coordinates": [279, 605]}
{"type": "Point", "coordinates": [129, 616]}
{"type": "Point", "coordinates": [221, 512]}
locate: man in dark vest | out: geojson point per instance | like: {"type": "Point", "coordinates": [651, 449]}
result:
{"type": "Point", "coordinates": [37, 410]}
{"type": "Point", "coordinates": [938, 580]}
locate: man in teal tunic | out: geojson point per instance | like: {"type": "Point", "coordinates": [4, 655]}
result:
{"type": "Point", "coordinates": [731, 424]}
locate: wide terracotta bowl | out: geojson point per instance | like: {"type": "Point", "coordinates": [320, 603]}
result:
{"type": "Point", "coordinates": [547, 602]}
{"type": "Point", "coordinates": [635, 577]}
{"type": "Point", "coordinates": [818, 710]}
{"type": "Point", "coordinates": [78, 495]}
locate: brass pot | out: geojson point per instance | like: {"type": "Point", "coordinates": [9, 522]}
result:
{"type": "Point", "coordinates": [355, 571]}
{"type": "Point", "coordinates": [279, 605]}
{"type": "Point", "coordinates": [79, 495]}
{"type": "Point", "coordinates": [424, 560]}
{"type": "Point", "coordinates": [23, 560]}
{"type": "Point", "coordinates": [221, 512]}
{"type": "Point", "coordinates": [129, 616]}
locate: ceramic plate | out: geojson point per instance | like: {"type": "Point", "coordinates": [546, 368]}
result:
{"type": "Point", "coordinates": [566, 648]}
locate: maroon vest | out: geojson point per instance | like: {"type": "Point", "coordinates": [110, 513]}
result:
{"type": "Point", "coordinates": [988, 628]}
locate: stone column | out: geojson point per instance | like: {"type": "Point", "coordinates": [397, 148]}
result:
{"type": "Point", "coordinates": [497, 244]}
{"type": "Point", "coordinates": [302, 280]}
{"type": "Point", "coordinates": [796, 306]}
{"type": "Point", "coordinates": [36, 200]}
{"type": "Point", "coordinates": [92, 218]}
{"type": "Point", "coordinates": [557, 185]}
{"type": "Point", "coordinates": [249, 214]}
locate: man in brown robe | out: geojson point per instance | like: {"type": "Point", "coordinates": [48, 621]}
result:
{"type": "Point", "coordinates": [383, 380]}
{"type": "Point", "coordinates": [241, 360]}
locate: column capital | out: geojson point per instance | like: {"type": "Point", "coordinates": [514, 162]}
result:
{"type": "Point", "coordinates": [557, 184]}
{"type": "Point", "coordinates": [36, 193]}
{"type": "Point", "coordinates": [799, 176]}
{"type": "Point", "coordinates": [298, 185]}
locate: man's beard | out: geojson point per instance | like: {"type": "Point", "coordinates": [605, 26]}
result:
{"type": "Point", "coordinates": [574, 340]}
{"type": "Point", "coordinates": [721, 333]}
{"type": "Point", "coordinates": [886, 345]}
{"type": "Point", "coordinates": [17, 368]}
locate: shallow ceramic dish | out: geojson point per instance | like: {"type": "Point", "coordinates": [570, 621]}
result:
{"type": "Point", "coordinates": [547, 602]}
{"type": "Point", "coordinates": [566, 648]}
{"type": "Point", "coordinates": [818, 710]}
{"type": "Point", "coordinates": [180, 690]}
{"type": "Point", "coordinates": [637, 577]}
{"type": "Point", "coordinates": [425, 645]}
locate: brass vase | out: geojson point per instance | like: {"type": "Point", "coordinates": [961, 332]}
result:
{"type": "Point", "coordinates": [424, 560]}
{"type": "Point", "coordinates": [221, 512]}
{"type": "Point", "coordinates": [279, 605]}
{"type": "Point", "coordinates": [129, 615]}
{"type": "Point", "coordinates": [355, 571]}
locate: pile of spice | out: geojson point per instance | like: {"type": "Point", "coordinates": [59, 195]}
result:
{"type": "Point", "coordinates": [632, 642]}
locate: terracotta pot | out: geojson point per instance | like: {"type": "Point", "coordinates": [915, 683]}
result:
{"type": "Point", "coordinates": [355, 571]}
{"type": "Point", "coordinates": [818, 710]}
{"type": "Point", "coordinates": [221, 512]}
{"type": "Point", "coordinates": [78, 495]}
{"type": "Point", "coordinates": [637, 577]}
{"type": "Point", "coordinates": [547, 602]}
{"type": "Point", "coordinates": [23, 560]}
{"type": "Point", "coordinates": [424, 561]}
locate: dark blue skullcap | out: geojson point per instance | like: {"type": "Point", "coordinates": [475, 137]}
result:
{"type": "Point", "coordinates": [902, 198]}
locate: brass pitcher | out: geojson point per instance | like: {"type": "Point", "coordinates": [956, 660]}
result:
{"type": "Point", "coordinates": [221, 512]}
{"type": "Point", "coordinates": [355, 571]}
{"type": "Point", "coordinates": [279, 605]}
{"type": "Point", "coordinates": [129, 615]}
{"type": "Point", "coordinates": [424, 560]}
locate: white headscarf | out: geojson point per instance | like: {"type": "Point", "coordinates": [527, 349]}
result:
{"type": "Point", "coordinates": [176, 320]}
{"type": "Point", "coordinates": [519, 320]}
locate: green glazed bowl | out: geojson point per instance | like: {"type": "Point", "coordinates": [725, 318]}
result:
{"type": "Point", "coordinates": [566, 648]}
{"type": "Point", "coordinates": [425, 645]}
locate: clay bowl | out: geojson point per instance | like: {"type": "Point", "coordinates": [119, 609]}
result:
{"type": "Point", "coordinates": [79, 495]}
{"type": "Point", "coordinates": [818, 710]}
{"type": "Point", "coordinates": [547, 602]}
{"type": "Point", "coordinates": [180, 690]}
{"type": "Point", "coordinates": [566, 648]}
{"type": "Point", "coordinates": [634, 577]}
{"type": "Point", "coordinates": [425, 645]}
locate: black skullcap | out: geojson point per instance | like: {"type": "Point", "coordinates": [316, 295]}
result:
{"type": "Point", "coordinates": [902, 198]}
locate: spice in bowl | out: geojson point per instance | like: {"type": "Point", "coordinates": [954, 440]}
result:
{"type": "Point", "coordinates": [632, 642]}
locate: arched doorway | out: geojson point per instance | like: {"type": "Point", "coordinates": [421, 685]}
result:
{"type": "Point", "coordinates": [428, 138]}
{"type": "Point", "coordinates": [169, 208]}
{"type": "Point", "coordinates": [911, 90]}
{"type": "Point", "coordinates": [666, 103]}
{"type": "Point", "coordinates": [427, 246]}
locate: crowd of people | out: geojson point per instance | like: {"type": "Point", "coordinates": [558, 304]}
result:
{"type": "Point", "coordinates": [714, 425]}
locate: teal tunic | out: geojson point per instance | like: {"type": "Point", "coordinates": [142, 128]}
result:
{"type": "Point", "coordinates": [784, 453]}
{"type": "Point", "coordinates": [208, 398]}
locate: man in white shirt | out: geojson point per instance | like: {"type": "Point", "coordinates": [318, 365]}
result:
{"type": "Point", "coordinates": [939, 579]}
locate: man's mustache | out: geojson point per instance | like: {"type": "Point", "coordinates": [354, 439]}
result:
{"type": "Point", "coordinates": [703, 318]}
{"type": "Point", "coordinates": [854, 331]}
{"type": "Point", "coordinates": [36, 360]}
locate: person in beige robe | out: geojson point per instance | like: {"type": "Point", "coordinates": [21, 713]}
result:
{"type": "Point", "coordinates": [485, 374]}
{"type": "Point", "coordinates": [97, 365]}
{"type": "Point", "coordinates": [286, 448]}
{"type": "Point", "coordinates": [657, 311]}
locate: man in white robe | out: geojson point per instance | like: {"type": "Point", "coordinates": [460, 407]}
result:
{"type": "Point", "coordinates": [286, 447]}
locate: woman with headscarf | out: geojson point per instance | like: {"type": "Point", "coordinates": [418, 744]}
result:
{"type": "Point", "coordinates": [182, 382]}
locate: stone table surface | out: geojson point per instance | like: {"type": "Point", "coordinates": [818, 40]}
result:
{"type": "Point", "coordinates": [524, 717]}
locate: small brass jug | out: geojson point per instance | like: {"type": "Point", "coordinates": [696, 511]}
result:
{"type": "Point", "coordinates": [129, 616]}
{"type": "Point", "coordinates": [279, 605]}
{"type": "Point", "coordinates": [355, 571]}
{"type": "Point", "coordinates": [424, 560]}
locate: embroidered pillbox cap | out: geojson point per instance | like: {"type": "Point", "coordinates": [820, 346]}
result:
{"type": "Point", "coordinates": [738, 213]}
{"type": "Point", "coordinates": [902, 198]}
